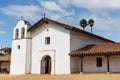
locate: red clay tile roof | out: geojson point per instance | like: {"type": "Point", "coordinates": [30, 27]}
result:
{"type": "Point", "coordinates": [6, 49]}
{"type": "Point", "coordinates": [46, 20]}
{"type": "Point", "coordinates": [4, 58]}
{"type": "Point", "coordinates": [98, 49]}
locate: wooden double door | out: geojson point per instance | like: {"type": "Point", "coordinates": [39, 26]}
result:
{"type": "Point", "coordinates": [47, 60]}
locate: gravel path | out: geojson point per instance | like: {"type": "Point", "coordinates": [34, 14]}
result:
{"type": "Point", "coordinates": [62, 77]}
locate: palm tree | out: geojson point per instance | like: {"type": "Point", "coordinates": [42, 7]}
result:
{"type": "Point", "coordinates": [83, 23]}
{"type": "Point", "coordinates": [91, 23]}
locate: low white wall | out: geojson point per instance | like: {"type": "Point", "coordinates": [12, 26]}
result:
{"type": "Point", "coordinates": [115, 63]}
{"type": "Point", "coordinates": [89, 64]}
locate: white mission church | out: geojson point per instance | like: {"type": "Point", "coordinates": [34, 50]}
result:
{"type": "Point", "coordinates": [52, 47]}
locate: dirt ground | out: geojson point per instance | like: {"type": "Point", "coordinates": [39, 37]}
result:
{"type": "Point", "coordinates": [100, 76]}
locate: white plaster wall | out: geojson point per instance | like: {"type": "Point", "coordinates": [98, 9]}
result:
{"type": "Point", "coordinates": [21, 58]}
{"type": "Point", "coordinates": [28, 56]}
{"type": "Point", "coordinates": [62, 44]}
{"type": "Point", "coordinates": [114, 63]}
{"type": "Point", "coordinates": [36, 61]}
{"type": "Point", "coordinates": [79, 40]}
{"type": "Point", "coordinates": [59, 47]}
{"type": "Point", "coordinates": [18, 57]}
{"type": "Point", "coordinates": [89, 64]}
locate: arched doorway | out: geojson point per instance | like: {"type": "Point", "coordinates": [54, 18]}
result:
{"type": "Point", "coordinates": [46, 64]}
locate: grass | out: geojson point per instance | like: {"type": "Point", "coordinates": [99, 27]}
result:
{"type": "Point", "coordinates": [89, 76]}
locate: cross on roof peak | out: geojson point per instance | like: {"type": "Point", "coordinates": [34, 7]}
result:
{"type": "Point", "coordinates": [21, 17]}
{"type": "Point", "coordinates": [44, 15]}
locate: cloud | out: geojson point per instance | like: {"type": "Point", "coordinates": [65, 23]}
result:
{"type": "Point", "coordinates": [34, 12]}
{"type": "Point", "coordinates": [55, 11]}
{"type": "Point", "coordinates": [107, 23]}
{"type": "Point", "coordinates": [100, 13]}
{"type": "Point", "coordinates": [2, 32]}
{"type": "Point", "coordinates": [92, 4]}
{"type": "Point", "coordinates": [51, 5]}
{"type": "Point", "coordinates": [30, 12]}
{"type": "Point", "coordinates": [61, 10]}
{"type": "Point", "coordinates": [103, 21]}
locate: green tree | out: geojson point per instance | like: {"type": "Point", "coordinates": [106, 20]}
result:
{"type": "Point", "coordinates": [6, 50]}
{"type": "Point", "coordinates": [9, 51]}
{"type": "Point", "coordinates": [91, 23]}
{"type": "Point", "coordinates": [83, 23]}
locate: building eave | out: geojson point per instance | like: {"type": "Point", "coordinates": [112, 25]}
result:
{"type": "Point", "coordinates": [98, 50]}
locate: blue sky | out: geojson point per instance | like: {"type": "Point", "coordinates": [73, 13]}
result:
{"type": "Point", "coordinates": [106, 14]}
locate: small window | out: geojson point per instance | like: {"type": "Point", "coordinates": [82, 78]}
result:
{"type": "Point", "coordinates": [47, 40]}
{"type": "Point", "coordinates": [18, 46]}
{"type": "Point", "coordinates": [99, 62]}
{"type": "Point", "coordinates": [47, 29]}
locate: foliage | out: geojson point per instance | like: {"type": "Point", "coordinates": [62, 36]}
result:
{"type": "Point", "coordinates": [83, 23]}
{"type": "Point", "coordinates": [5, 50]}
{"type": "Point", "coordinates": [91, 22]}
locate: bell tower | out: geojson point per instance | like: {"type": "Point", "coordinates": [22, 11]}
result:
{"type": "Point", "coordinates": [21, 49]}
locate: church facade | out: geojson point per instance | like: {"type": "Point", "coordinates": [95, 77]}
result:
{"type": "Point", "coordinates": [52, 47]}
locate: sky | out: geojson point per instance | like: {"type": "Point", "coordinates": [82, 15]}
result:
{"type": "Point", "coordinates": [105, 13]}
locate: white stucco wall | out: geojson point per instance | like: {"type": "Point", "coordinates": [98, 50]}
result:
{"type": "Point", "coordinates": [28, 56]}
{"type": "Point", "coordinates": [37, 68]}
{"type": "Point", "coordinates": [58, 49]}
{"type": "Point", "coordinates": [89, 64]}
{"type": "Point", "coordinates": [18, 57]}
{"type": "Point", "coordinates": [21, 58]}
{"type": "Point", "coordinates": [79, 40]}
{"type": "Point", "coordinates": [114, 63]}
